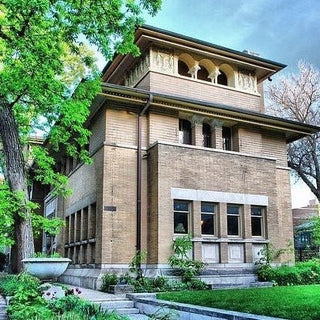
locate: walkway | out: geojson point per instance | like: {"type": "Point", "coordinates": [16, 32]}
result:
{"type": "Point", "coordinates": [3, 307]}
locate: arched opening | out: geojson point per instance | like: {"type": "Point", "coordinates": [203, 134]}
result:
{"type": "Point", "coordinates": [183, 69]}
{"type": "Point", "coordinates": [206, 133]}
{"type": "Point", "coordinates": [203, 74]}
{"type": "Point", "coordinates": [222, 78]}
{"type": "Point", "coordinates": [184, 131]}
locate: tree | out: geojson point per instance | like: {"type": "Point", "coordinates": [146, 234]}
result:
{"type": "Point", "coordinates": [36, 39]}
{"type": "Point", "coordinates": [298, 98]}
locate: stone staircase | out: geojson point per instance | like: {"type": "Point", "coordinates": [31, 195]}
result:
{"type": "Point", "coordinates": [3, 309]}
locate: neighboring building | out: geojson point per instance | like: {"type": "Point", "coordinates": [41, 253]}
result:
{"type": "Point", "coordinates": [181, 144]}
{"type": "Point", "coordinates": [304, 245]}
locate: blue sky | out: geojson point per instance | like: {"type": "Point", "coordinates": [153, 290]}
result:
{"type": "Point", "coordinates": [281, 30]}
{"type": "Point", "coordinates": [284, 31]}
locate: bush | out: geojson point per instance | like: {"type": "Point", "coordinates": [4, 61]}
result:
{"type": "Point", "coordinates": [302, 273]}
{"type": "Point", "coordinates": [108, 279]}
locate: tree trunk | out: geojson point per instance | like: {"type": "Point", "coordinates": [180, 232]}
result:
{"type": "Point", "coordinates": [17, 179]}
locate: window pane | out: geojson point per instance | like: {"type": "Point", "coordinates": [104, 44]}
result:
{"type": "Point", "coordinates": [207, 224]}
{"type": "Point", "coordinates": [206, 132]}
{"type": "Point", "coordinates": [207, 207]}
{"type": "Point", "coordinates": [232, 209]}
{"type": "Point", "coordinates": [256, 226]}
{"type": "Point", "coordinates": [233, 225]}
{"type": "Point", "coordinates": [226, 138]}
{"type": "Point", "coordinates": [256, 211]}
{"type": "Point", "coordinates": [184, 131]}
{"type": "Point", "coordinates": [180, 222]}
{"type": "Point", "coordinates": [181, 206]}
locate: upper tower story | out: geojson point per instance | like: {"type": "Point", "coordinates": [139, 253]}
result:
{"type": "Point", "coordinates": [174, 64]}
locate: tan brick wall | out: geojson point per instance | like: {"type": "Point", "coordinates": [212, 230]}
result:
{"type": "Point", "coordinates": [98, 130]}
{"type": "Point", "coordinates": [209, 170]}
{"type": "Point", "coordinates": [189, 88]}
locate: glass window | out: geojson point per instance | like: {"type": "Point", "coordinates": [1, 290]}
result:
{"type": "Point", "coordinates": [257, 221]}
{"type": "Point", "coordinates": [208, 218]}
{"type": "Point", "coordinates": [206, 133]}
{"type": "Point", "coordinates": [222, 78]}
{"type": "Point", "coordinates": [181, 217]}
{"type": "Point", "coordinates": [184, 131]}
{"type": "Point", "coordinates": [233, 220]}
{"type": "Point", "coordinates": [203, 74]}
{"type": "Point", "coordinates": [183, 69]}
{"type": "Point", "coordinates": [226, 138]}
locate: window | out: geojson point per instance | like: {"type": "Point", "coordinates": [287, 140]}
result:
{"type": "Point", "coordinates": [206, 133]}
{"type": "Point", "coordinates": [208, 218]}
{"type": "Point", "coordinates": [181, 217]}
{"type": "Point", "coordinates": [257, 221]}
{"type": "Point", "coordinates": [233, 220]}
{"type": "Point", "coordinates": [226, 138]}
{"type": "Point", "coordinates": [184, 131]}
{"type": "Point", "coordinates": [222, 78]}
{"type": "Point", "coordinates": [203, 74]}
{"type": "Point", "coordinates": [183, 69]}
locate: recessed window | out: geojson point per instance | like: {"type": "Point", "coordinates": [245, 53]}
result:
{"type": "Point", "coordinates": [203, 74]}
{"type": "Point", "coordinates": [222, 78]}
{"type": "Point", "coordinates": [181, 216]}
{"type": "Point", "coordinates": [233, 220]}
{"type": "Point", "coordinates": [257, 221]}
{"type": "Point", "coordinates": [184, 131]}
{"type": "Point", "coordinates": [226, 138]}
{"type": "Point", "coordinates": [183, 69]}
{"type": "Point", "coordinates": [206, 133]}
{"type": "Point", "coordinates": [208, 218]}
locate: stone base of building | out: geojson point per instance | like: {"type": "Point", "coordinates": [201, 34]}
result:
{"type": "Point", "coordinates": [217, 275]}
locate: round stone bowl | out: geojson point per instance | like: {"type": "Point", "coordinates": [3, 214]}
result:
{"type": "Point", "coordinates": [46, 268]}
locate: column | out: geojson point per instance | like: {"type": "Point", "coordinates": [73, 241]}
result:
{"type": "Point", "coordinates": [197, 137]}
{"type": "Point", "coordinates": [222, 231]}
{"type": "Point", "coordinates": [196, 228]}
{"type": "Point", "coordinates": [216, 133]}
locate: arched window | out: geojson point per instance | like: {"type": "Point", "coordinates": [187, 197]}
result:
{"type": "Point", "coordinates": [203, 74]}
{"type": "Point", "coordinates": [184, 131]}
{"type": "Point", "coordinates": [183, 69]}
{"type": "Point", "coordinates": [206, 133]}
{"type": "Point", "coordinates": [222, 78]}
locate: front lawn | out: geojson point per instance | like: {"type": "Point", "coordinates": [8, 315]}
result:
{"type": "Point", "coordinates": [292, 302]}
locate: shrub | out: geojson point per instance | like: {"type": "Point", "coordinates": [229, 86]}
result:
{"type": "Point", "coordinates": [108, 279]}
{"type": "Point", "coordinates": [302, 273]}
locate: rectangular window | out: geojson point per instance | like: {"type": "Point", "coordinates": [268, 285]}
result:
{"type": "Point", "coordinates": [226, 138]}
{"type": "Point", "coordinates": [181, 216]}
{"type": "Point", "coordinates": [208, 218]}
{"type": "Point", "coordinates": [233, 220]}
{"type": "Point", "coordinates": [257, 221]}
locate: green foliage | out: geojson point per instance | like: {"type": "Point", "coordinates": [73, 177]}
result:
{"type": "Point", "coordinates": [108, 279]}
{"type": "Point", "coordinates": [302, 273]}
{"type": "Point", "coordinates": [135, 263]}
{"type": "Point", "coordinates": [26, 301]}
{"type": "Point", "coordinates": [294, 302]}
{"type": "Point", "coordinates": [269, 254]}
{"type": "Point", "coordinates": [45, 255]}
{"type": "Point", "coordinates": [316, 230]}
{"type": "Point", "coordinates": [180, 259]}
{"type": "Point", "coordinates": [42, 61]}
{"type": "Point", "coordinates": [50, 226]}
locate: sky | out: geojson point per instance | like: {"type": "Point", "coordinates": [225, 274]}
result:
{"type": "Point", "coordinates": [284, 31]}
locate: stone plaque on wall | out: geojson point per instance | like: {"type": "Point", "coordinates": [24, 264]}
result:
{"type": "Point", "coordinates": [247, 80]}
{"type": "Point", "coordinates": [162, 60]}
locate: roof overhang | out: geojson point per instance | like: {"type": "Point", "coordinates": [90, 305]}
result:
{"type": "Point", "coordinates": [147, 35]}
{"type": "Point", "coordinates": [293, 130]}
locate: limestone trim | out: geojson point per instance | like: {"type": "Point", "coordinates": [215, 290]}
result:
{"type": "Point", "coordinates": [217, 196]}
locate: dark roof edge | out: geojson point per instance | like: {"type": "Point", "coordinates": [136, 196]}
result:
{"type": "Point", "coordinates": [213, 105]}
{"type": "Point", "coordinates": [212, 45]}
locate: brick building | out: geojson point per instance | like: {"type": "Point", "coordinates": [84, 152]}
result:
{"type": "Point", "coordinates": [181, 145]}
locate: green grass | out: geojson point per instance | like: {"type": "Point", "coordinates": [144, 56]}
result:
{"type": "Point", "coordinates": [292, 302]}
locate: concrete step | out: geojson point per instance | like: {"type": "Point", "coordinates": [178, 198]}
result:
{"type": "Point", "coordinates": [138, 317]}
{"type": "Point", "coordinates": [127, 310]}
{"type": "Point", "coordinates": [117, 304]}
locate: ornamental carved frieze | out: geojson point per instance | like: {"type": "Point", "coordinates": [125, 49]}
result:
{"type": "Point", "coordinates": [162, 60]}
{"type": "Point", "coordinates": [138, 71]}
{"type": "Point", "coordinates": [247, 81]}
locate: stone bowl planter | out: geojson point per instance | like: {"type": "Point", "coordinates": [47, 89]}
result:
{"type": "Point", "coordinates": [46, 268]}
